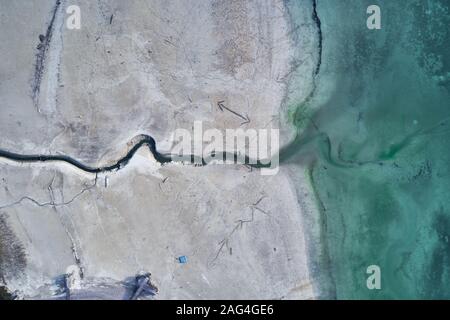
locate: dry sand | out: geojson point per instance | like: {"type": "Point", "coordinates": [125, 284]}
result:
{"type": "Point", "coordinates": [148, 67]}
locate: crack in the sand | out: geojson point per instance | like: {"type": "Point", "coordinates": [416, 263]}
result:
{"type": "Point", "coordinates": [52, 202]}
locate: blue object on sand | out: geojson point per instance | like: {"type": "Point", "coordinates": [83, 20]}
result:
{"type": "Point", "coordinates": [182, 259]}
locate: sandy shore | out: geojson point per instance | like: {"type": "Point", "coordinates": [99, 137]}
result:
{"type": "Point", "coordinates": [121, 77]}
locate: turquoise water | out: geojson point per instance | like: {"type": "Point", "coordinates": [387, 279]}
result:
{"type": "Point", "coordinates": [378, 140]}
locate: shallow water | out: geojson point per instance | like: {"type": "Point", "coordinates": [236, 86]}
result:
{"type": "Point", "coordinates": [380, 133]}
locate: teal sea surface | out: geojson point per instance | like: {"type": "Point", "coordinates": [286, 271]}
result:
{"type": "Point", "coordinates": [378, 139]}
